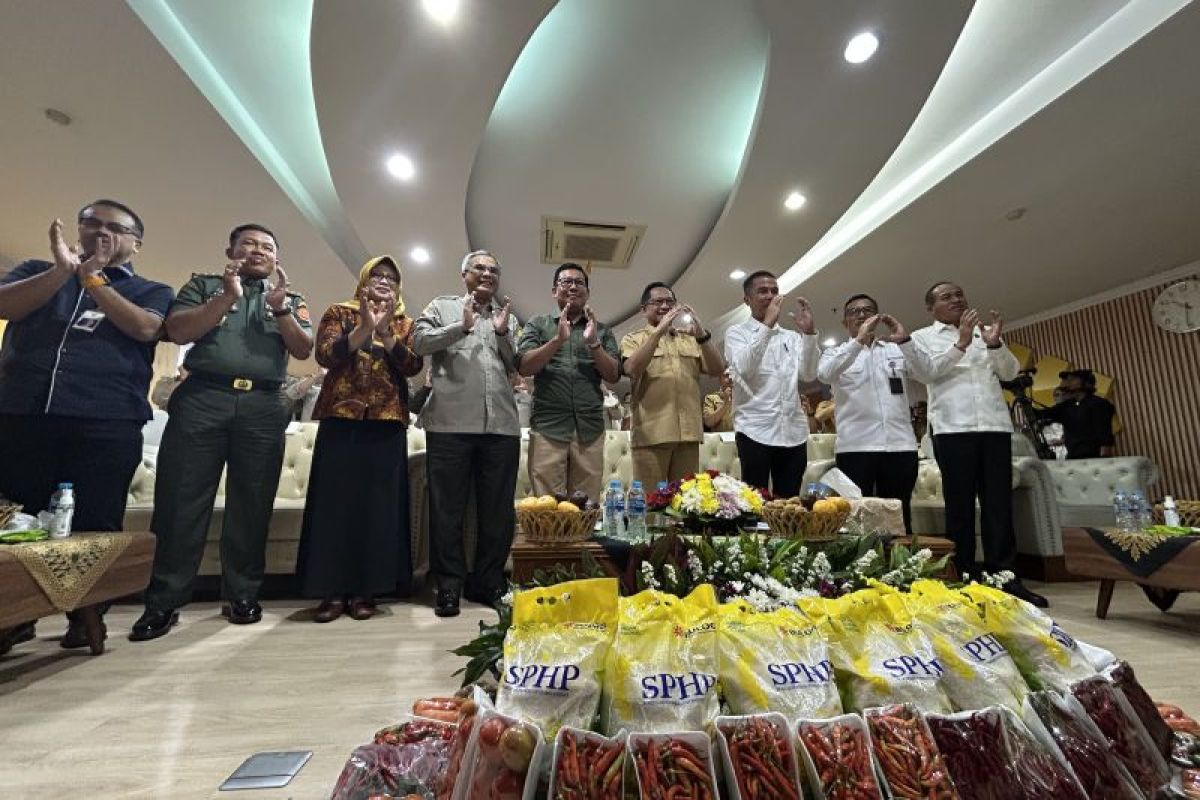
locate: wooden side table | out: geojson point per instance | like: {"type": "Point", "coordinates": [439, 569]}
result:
{"type": "Point", "coordinates": [22, 600]}
{"type": "Point", "coordinates": [938, 545]}
{"type": "Point", "coordinates": [529, 556]}
{"type": "Point", "coordinates": [1086, 558]}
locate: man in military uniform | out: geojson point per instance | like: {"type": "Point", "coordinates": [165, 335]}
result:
{"type": "Point", "coordinates": [229, 412]}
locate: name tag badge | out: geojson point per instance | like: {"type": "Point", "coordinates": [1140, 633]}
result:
{"type": "Point", "coordinates": [88, 321]}
{"type": "Point", "coordinates": [896, 385]}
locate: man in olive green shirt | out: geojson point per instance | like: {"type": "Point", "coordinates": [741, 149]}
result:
{"type": "Point", "coordinates": [229, 412]}
{"type": "Point", "coordinates": [569, 353]}
{"type": "Point", "coordinates": [664, 365]}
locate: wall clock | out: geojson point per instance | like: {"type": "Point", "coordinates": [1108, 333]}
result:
{"type": "Point", "coordinates": [1177, 308]}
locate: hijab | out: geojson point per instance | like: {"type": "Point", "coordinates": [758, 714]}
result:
{"type": "Point", "coordinates": [364, 277]}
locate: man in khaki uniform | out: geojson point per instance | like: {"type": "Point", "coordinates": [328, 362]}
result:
{"type": "Point", "coordinates": [664, 365]}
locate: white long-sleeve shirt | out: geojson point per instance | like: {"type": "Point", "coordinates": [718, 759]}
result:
{"type": "Point", "coordinates": [870, 419]}
{"type": "Point", "coordinates": [964, 389]}
{"type": "Point", "coordinates": [768, 365]}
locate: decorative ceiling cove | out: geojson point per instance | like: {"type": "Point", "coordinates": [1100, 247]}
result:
{"type": "Point", "coordinates": [695, 118]}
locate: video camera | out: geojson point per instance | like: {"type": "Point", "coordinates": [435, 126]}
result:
{"type": "Point", "coordinates": [1020, 384]}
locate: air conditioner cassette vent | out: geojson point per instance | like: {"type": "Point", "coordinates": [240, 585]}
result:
{"type": "Point", "coordinates": [602, 244]}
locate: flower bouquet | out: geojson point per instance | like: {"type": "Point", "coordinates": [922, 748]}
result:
{"type": "Point", "coordinates": [710, 502]}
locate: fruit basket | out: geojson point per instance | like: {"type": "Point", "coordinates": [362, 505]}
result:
{"type": "Point", "coordinates": [791, 520]}
{"type": "Point", "coordinates": [548, 519]}
{"type": "Point", "coordinates": [1189, 513]}
{"type": "Point", "coordinates": [7, 512]}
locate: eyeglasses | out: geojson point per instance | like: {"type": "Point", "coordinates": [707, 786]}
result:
{"type": "Point", "coordinates": [383, 278]}
{"type": "Point", "coordinates": [860, 311]}
{"type": "Point", "coordinates": [486, 268]}
{"type": "Point", "coordinates": [665, 302]}
{"type": "Point", "coordinates": [94, 224]}
{"type": "Point", "coordinates": [567, 283]}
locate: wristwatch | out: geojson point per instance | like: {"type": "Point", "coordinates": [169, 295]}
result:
{"type": "Point", "coordinates": [94, 280]}
{"type": "Point", "coordinates": [704, 339]}
{"type": "Point", "coordinates": [280, 312]}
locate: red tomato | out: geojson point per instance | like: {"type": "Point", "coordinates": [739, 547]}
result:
{"type": "Point", "coordinates": [492, 730]}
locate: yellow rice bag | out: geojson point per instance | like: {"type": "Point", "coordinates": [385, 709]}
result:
{"type": "Point", "coordinates": [880, 657]}
{"type": "Point", "coordinates": [661, 674]}
{"type": "Point", "coordinates": [980, 672]}
{"type": "Point", "coordinates": [554, 653]}
{"type": "Point", "coordinates": [1046, 654]}
{"type": "Point", "coordinates": [775, 661]}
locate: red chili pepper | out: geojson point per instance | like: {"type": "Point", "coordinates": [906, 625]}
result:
{"type": "Point", "coordinates": [839, 752]}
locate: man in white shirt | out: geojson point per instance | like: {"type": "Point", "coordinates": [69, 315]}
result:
{"type": "Point", "coordinates": [768, 363]}
{"type": "Point", "coordinates": [875, 447]}
{"type": "Point", "coordinates": [961, 361]}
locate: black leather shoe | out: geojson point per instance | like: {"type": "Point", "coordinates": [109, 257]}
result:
{"type": "Point", "coordinates": [242, 612]}
{"type": "Point", "coordinates": [153, 624]}
{"type": "Point", "coordinates": [1022, 592]}
{"type": "Point", "coordinates": [76, 635]}
{"type": "Point", "coordinates": [447, 603]}
{"type": "Point", "coordinates": [14, 636]}
{"type": "Point", "coordinates": [489, 599]}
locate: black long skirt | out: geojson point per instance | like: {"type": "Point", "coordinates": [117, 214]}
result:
{"type": "Point", "coordinates": [356, 538]}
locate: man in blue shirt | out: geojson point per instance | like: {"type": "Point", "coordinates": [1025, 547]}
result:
{"type": "Point", "coordinates": [75, 369]}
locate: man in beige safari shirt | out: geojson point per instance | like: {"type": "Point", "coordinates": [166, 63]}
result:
{"type": "Point", "coordinates": [664, 364]}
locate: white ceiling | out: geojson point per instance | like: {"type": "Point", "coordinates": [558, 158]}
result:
{"type": "Point", "coordinates": [1110, 171]}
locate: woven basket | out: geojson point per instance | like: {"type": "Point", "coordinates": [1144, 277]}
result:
{"type": "Point", "coordinates": [1189, 513]}
{"type": "Point", "coordinates": [557, 526]}
{"type": "Point", "coordinates": [7, 512]}
{"type": "Point", "coordinates": [795, 522]}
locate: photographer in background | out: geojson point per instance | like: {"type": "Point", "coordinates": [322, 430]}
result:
{"type": "Point", "coordinates": [1085, 418]}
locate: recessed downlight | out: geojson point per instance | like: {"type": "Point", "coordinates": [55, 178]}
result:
{"type": "Point", "coordinates": [861, 48]}
{"type": "Point", "coordinates": [401, 167]}
{"type": "Point", "coordinates": [737, 275]}
{"type": "Point", "coordinates": [794, 201]}
{"type": "Point", "coordinates": [419, 254]}
{"type": "Point", "coordinates": [444, 11]}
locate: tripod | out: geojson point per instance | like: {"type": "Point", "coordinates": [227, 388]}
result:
{"type": "Point", "coordinates": [1027, 422]}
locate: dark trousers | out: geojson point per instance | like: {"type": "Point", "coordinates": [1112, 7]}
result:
{"type": "Point", "coordinates": [212, 428]}
{"type": "Point", "coordinates": [455, 463]}
{"type": "Point", "coordinates": [783, 466]}
{"type": "Point", "coordinates": [98, 457]}
{"type": "Point", "coordinates": [891, 475]}
{"type": "Point", "coordinates": [978, 464]}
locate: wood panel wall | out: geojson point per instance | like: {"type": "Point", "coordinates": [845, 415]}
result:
{"type": "Point", "coordinates": [1156, 373]}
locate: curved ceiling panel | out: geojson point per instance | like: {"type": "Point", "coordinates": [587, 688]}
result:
{"type": "Point", "coordinates": [389, 78]}
{"type": "Point", "coordinates": [826, 127]}
{"type": "Point", "coordinates": [617, 113]}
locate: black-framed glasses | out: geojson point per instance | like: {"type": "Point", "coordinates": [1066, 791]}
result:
{"type": "Point", "coordinates": [664, 302]}
{"type": "Point", "coordinates": [94, 224]}
{"type": "Point", "coordinates": [383, 277]}
{"type": "Point", "coordinates": [861, 311]}
{"type": "Point", "coordinates": [567, 283]}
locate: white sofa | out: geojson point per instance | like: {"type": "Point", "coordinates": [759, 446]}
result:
{"type": "Point", "coordinates": [1047, 494]}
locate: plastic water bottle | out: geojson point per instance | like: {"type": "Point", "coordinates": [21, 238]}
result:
{"type": "Point", "coordinates": [1140, 511]}
{"type": "Point", "coordinates": [1170, 512]}
{"type": "Point", "coordinates": [614, 511]}
{"type": "Point", "coordinates": [635, 508]}
{"type": "Point", "coordinates": [1121, 512]}
{"type": "Point", "coordinates": [62, 507]}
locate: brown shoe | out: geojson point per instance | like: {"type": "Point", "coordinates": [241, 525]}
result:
{"type": "Point", "coordinates": [362, 608]}
{"type": "Point", "coordinates": [329, 610]}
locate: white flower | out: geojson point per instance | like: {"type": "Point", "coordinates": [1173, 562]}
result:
{"type": "Point", "coordinates": [649, 577]}
{"type": "Point", "coordinates": [670, 574]}
{"type": "Point", "coordinates": [923, 555]}
{"type": "Point", "coordinates": [695, 566]}
{"type": "Point", "coordinates": [865, 560]}
{"type": "Point", "coordinates": [821, 566]}
{"type": "Point", "coordinates": [507, 598]}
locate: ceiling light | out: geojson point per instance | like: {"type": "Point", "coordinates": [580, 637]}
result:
{"type": "Point", "coordinates": [401, 167]}
{"type": "Point", "coordinates": [861, 47]}
{"type": "Point", "coordinates": [794, 201]}
{"type": "Point", "coordinates": [737, 274]}
{"type": "Point", "coordinates": [443, 11]}
{"type": "Point", "coordinates": [419, 254]}
{"type": "Point", "coordinates": [830, 341]}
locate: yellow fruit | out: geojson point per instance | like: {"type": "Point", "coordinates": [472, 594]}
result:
{"type": "Point", "coordinates": [567, 505]}
{"type": "Point", "coordinates": [547, 503]}
{"type": "Point", "coordinates": [528, 504]}
{"type": "Point", "coordinates": [842, 503]}
{"type": "Point", "coordinates": [825, 507]}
